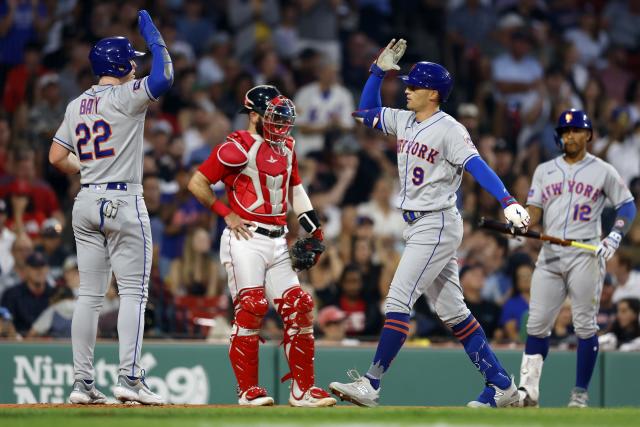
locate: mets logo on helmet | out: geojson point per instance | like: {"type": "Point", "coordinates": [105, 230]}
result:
{"type": "Point", "coordinates": [568, 117]}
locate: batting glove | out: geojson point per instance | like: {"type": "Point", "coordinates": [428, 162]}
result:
{"type": "Point", "coordinates": [518, 217]}
{"type": "Point", "coordinates": [390, 55]}
{"type": "Point", "coordinates": [148, 30]}
{"type": "Point", "coordinates": [609, 245]}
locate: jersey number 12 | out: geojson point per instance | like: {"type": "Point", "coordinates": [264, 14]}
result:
{"type": "Point", "coordinates": [581, 212]}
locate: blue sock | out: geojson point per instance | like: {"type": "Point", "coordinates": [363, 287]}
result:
{"type": "Point", "coordinates": [475, 343]}
{"type": "Point", "coordinates": [394, 333]}
{"type": "Point", "coordinates": [587, 355]}
{"type": "Point", "coordinates": [537, 345]}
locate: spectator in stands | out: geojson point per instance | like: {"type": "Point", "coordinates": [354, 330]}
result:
{"type": "Point", "coordinates": [517, 75]}
{"type": "Point", "coordinates": [180, 213]}
{"type": "Point", "coordinates": [252, 23]}
{"type": "Point", "coordinates": [621, 147]}
{"type": "Point", "coordinates": [7, 237]}
{"type": "Point", "coordinates": [325, 274]}
{"type": "Point", "coordinates": [52, 247]}
{"type": "Point", "coordinates": [29, 299]}
{"type": "Point", "coordinates": [332, 324]}
{"type": "Point", "coordinates": [193, 26]}
{"type": "Point", "coordinates": [196, 271]}
{"type": "Point", "coordinates": [7, 330]}
{"type": "Point", "coordinates": [615, 76]}
{"type": "Point", "coordinates": [24, 181]}
{"type": "Point", "coordinates": [621, 20]}
{"type": "Point", "coordinates": [21, 248]}
{"type": "Point", "coordinates": [492, 254]}
{"type": "Point", "coordinates": [71, 275]}
{"type": "Point", "coordinates": [363, 316]}
{"type": "Point", "coordinates": [624, 333]}
{"type": "Point", "coordinates": [627, 280]}
{"type": "Point", "coordinates": [387, 220]}
{"type": "Point", "coordinates": [517, 306]}
{"type": "Point", "coordinates": [589, 38]}
{"type": "Point", "coordinates": [5, 142]}
{"type": "Point", "coordinates": [322, 106]}
{"type": "Point", "coordinates": [55, 320]}
{"type": "Point", "coordinates": [472, 280]}
{"type": "Point", "coordinates": [562, 334]}
{"type": "Point", "coordinates": [607, 311]}
{"type": "Point", "coordinates": [48, 111]}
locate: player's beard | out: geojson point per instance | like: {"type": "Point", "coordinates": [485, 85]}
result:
{"type": "Point", "coordinates": [260, 127]}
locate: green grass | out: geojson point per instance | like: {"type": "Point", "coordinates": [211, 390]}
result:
{"type": "Point", "coordinates": [64, 416]}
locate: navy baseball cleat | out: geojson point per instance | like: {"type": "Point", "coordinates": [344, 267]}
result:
{"type": "Point", "coordinates": [135, 390]}
{"type": "Point", "coordinates": [360, 391]}
{"type": "Point", "coordinates": [494, 397]}
{"type": "Point", "coordinates": [84, 393]}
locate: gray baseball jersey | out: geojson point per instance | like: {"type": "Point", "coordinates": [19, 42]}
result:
{"type": "Point", "coordinates": [572, 197]}
{"type": "Point", "coordinates": [104, 128]}
{"type": "Point", "coordinates": [431, 158]}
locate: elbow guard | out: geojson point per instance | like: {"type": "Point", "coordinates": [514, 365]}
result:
{"type": "Point", "coordinates": [161, 77]}
{"type": "Point", "coordinates": [370, 117]}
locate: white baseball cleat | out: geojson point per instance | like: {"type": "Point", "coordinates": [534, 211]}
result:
{"type": "Point", "coordinates": [579, 398]}
{"type": "Point", "coordinates": [360, 391]}
{"type": "Point", "coordinates": [494, 397]}
{"type": "Point", "coordinates": [255, 396]}
{"type": "Point", "coordinates": [315, 397]}
{"type": "Point", "coordinates": [135, 390]}
{"type": "Point", "coordinates": [525, 399]}
{"type": "Point", "coordinates": [86, 394]}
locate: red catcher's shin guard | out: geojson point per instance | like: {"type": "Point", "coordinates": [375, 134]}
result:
{"type": "Point", "coordinates": [250, 308]}
{"type": "Point", "coordinates": [243, 354]}
{"type": "Point", "coordinates": [296, 307]}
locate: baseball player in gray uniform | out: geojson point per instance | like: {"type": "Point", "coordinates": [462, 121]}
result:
{"type": "Point", "coordinates": [433, 152]}
{"type": "Point", "coordinates": [101, 138]}
{"type": "Point", "coordinates": [568, 193]}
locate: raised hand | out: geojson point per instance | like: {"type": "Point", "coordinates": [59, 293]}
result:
{"type": "Point", "coordinates": [390, 55]}
{"type": "Point", "coordinates": [148, 29]}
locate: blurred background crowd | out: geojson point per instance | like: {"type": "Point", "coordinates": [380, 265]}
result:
{"type": "Point", "coordinates": [517, 64]}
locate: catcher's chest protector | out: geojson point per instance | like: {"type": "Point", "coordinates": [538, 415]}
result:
{"type": "Point", "coordinates": [261, 187]}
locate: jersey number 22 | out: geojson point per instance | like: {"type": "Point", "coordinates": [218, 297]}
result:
{"type": "Point", "coordinates": [101, 133]}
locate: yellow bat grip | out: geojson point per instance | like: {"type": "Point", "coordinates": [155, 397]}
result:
{"type": "Point", "coordinates": [584, 246]}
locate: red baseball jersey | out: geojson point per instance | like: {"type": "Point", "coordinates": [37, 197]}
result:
{"type": "Point", "coordinates": [256, 177]}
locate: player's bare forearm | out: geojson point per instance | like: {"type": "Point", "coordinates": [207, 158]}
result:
{"type": "Point", "coordinates": [63, 160]}
{"type": "Point", "coordinates": [535, 213]}
{"type": "Point", "coordinates": [199, 187]}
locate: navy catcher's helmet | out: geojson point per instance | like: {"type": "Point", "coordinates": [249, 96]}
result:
{"type": "Point", "coordinates": [112, 56]}
{"type": "Point", "coordinates": [430, 75]}
{"type": "Point", "coordinates": [257, 99]}
{"type": "Point", "coordinates": [572, 119]}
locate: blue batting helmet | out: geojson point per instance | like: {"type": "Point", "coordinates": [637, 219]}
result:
{"type": "Point", "coordinates": [112, 56]}
{"type": "Point", "coordinates": [572, 119]}
{"type": "Point", "coordinates": [430, 75]}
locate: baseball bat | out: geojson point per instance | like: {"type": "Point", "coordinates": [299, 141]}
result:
{"type": "Point", "coordinates": [505, 228]}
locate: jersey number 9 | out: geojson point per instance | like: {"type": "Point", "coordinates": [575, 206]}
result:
{"type": "Point", "coordinates": [418, 176]}
{"type": "Point", "coordinates": [101, 133]}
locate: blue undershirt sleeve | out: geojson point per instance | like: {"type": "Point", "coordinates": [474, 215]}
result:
{"type": "Point", "coordinates": [488, 179]}
{"type": "Point", "coordinates": [161, 77]}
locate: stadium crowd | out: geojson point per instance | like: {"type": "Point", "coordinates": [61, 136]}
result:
{"type": "Point", "coordinates": [516, 63]}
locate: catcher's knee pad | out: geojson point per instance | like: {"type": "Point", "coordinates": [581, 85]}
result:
{"type": "Point", "coordinates": [250, 307]}
{"type": "Point", "coordinates": [296, 308]}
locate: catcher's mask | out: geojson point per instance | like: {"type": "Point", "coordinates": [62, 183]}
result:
{"type": "Point", "coordinates": [277, 122]}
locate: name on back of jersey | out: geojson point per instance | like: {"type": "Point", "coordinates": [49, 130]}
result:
{"type": "Point", "coordinates": [89, 105]}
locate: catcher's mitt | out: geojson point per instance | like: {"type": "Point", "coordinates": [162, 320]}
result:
{"type": "Point", "coordinates": [305, 253]}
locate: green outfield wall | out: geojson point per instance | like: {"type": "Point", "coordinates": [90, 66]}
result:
{"type": "Point", "coordinates": [199, 373]}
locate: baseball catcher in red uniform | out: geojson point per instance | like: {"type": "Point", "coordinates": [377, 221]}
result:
{"type": "Point", "coordinates": [259, 168]}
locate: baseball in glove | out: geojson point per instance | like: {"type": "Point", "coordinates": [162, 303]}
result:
{"type": "Point", "coordinates": [305, 253]}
